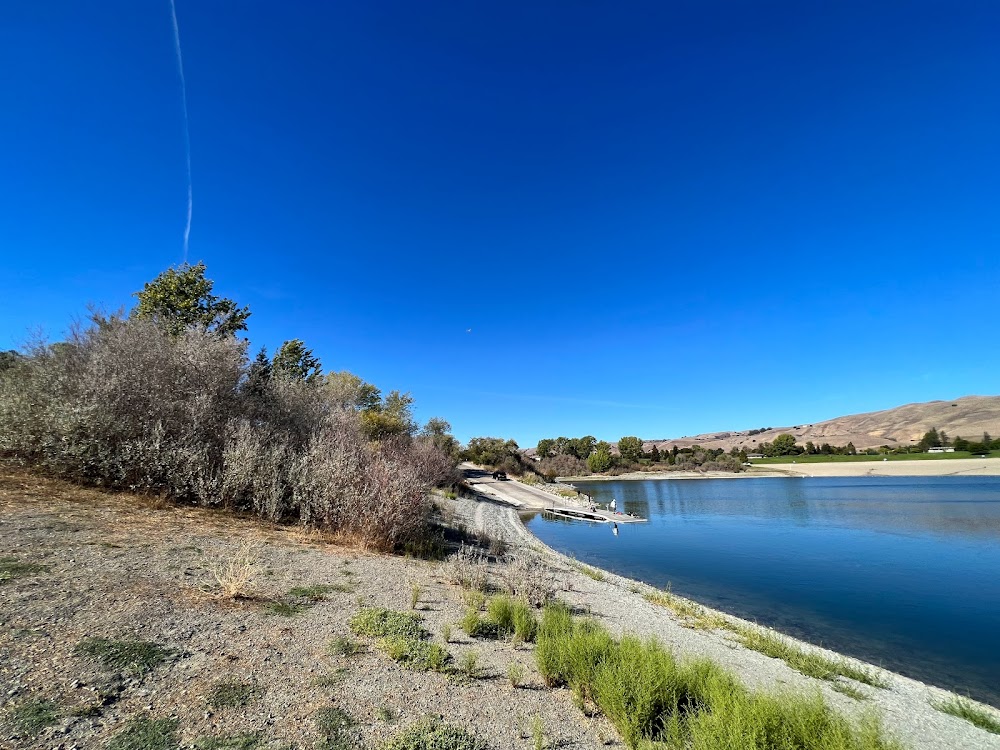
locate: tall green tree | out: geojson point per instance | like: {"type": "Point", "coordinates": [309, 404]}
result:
{"type": "Point", "coordinates": [600, 460]}
{"type": "Point", "coordinates": [181, 297]}
{"type": "Point", "coordinates": [295, 361]}
{"type": "Point", "coordinates": [544, 447]}
{"type": "Point", "coordinates": [784, 445]}
{"type": "Point", "coordinates": [630, 449]}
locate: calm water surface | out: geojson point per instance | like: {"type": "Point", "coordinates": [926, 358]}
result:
{"type": "Point", "coordinates": [902, 572]}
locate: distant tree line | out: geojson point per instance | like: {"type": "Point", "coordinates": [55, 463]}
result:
{"type": "Point", "coordinates": [786, 445]}
{"type": "Point", "coordinates": [165, 400]}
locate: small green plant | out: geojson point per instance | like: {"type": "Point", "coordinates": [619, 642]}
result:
{"type": "Point", "coordinates": [849, 690]}
{"type": "Point", "coordinates": [431, 733]}
{"type": "Point", "coordinates": [145, 733]}
{"type": "Point", "coordinates": [474, 599]}
{"type": "Point", "coordinates": [446, 632]}
{"type": "Point", "coordinates": [469, 665]}
{"type": "Point", "coordinates": [87, 710]}
{"type": "Point", "coordinates": [537, 732]}
{"type": "Point", "coordinates": [11, 568]}
{"type": "Point", "coordinates": [318, 592]}
{"type": "Point", "coordinates": [515, 673]}
{"type": "Point", "coordinates": [232, 693]}
{"type": "Point", "coordinates": [229, 742]}
{"type": "Point", "coordinates": [415, 595]}
{"type": "Point", "coordinates": [341, 646]}
{"type": "Point", "coordinates": [134, 657]}
{"type": "Point", "coordinates": [32, 716]}
{"type": "Point", "coordinates": [330, 679]}
{"type": "Point", "coordinates": [333, 725]}
{"type": "Point", "coordinates": [592, 573]}
{"type": "Point", "coordinates": [382, 623]}
{"type": "Point", "coordinates": [284, 609]}
{"type": "Point", "coordinates": [974, 714]}
{"type": "Point", "coordinates": [386, 715]}
{"type": "Point", "coordinates": [420, 656]}
{"type": "Point", "coordinates": [474, 625]}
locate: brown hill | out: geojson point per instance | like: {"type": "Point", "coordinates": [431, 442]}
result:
{"type": "Point", "coordinates": [967, 417]}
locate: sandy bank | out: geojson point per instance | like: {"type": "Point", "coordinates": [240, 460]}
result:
{"type": "Point", "coordinates": [953, 467]}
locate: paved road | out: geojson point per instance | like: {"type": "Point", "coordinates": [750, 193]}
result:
{"type": "Point", "coordinates": [509, 491]}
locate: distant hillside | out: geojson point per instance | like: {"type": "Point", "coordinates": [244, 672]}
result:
{"type": "Point", "coordinates": [967, 417]}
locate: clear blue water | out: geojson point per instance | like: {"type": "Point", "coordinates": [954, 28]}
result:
{"type": "Point", "coordinates": [902, 572]}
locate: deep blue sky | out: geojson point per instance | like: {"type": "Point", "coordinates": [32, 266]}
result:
{"type": "Point", "coordinates": [656, 218]}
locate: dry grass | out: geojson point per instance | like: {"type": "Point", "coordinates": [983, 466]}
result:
{"type": "Point", "coordinates": [690, 614]}
{"type": "Point", "coordinates": [238, 575]}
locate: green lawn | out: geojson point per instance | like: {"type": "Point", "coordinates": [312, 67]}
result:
{"type": "Point", "coordinates": [817, 459]}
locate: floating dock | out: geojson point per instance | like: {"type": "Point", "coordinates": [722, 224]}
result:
{"type": "Point", "coordinates": [594, 516]}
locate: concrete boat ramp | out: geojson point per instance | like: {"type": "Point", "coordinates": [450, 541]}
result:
{"type": "Point", "coordinates": [594, 516]}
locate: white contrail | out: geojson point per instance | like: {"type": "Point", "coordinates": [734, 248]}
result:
{"type": "Point", "coordinates": [187, 130]}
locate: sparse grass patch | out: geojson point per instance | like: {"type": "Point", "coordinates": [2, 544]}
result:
{"type": "Point", "coordinates": [446, 632]}
{"type": "Point", "coordinates": [318, 592]}
{"type": "Point", "coordinates": [849, 690]}
{"type": "Point", "coordinates": [537, 732]}
{"type": "Point", "coordinates": [386, 715]}
{"type": "Point", "coordinates": [431, 733]}
{"type": "Point", "coordinates": [421, 656]}
{"type": "Point", "coordinates": [515, 674]}
{"type": "Point", "coordinates": [808, 663]}
{"type": "Point", "coordinates": [971, 712]}
{"type": "Point", "coordinates": [134, 657]}
{"type": "Point", "coordinates": [229, 742]}
{"type": "Point", "coordinates": [11, 568]}
{"type": "Point", "coordinates": [32, 716]}
{"type": "Point", "coordinates": [232, 693]}
{"type": "Point", "coordinates": [691, 615]}
{"type": "Point", "coordinates": [402, 637]}
{"type": "Point", "coordinates": [474, 599]}
{"type": "Point", "coordinates": [145, 733]}
{"type": "Point", "coordinates": [330, 679]}
{"type": "Point", "coordinates": [284, 609]}
{"type": "Point", "coordinates": [592, 573]}
{"type": "Point", "coordinates": [469, 665]}
{"type": "Point", "coordinates": [341, 646]}
{"type": "Point", "coordinates": [333, 725]}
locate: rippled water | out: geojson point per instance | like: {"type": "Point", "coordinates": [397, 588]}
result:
{"type": "Point", "coordinates": [903, 572]}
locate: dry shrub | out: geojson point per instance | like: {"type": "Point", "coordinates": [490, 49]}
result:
{"type": "Point", "coordinates": [123, 404]}
{"type": "Point", "coordinates": [563, 466]}
{"type": "Point", "coordinates": [238, 574]}
{"type": "Point", "coordinates": [525, 576]}
{"type": "Point", "coordinates": [468, 568]}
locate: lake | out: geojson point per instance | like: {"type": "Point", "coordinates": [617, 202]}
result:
{"type": "Point", "coordinates": [899, 571]}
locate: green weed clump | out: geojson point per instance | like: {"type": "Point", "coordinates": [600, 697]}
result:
{"type": "Point", "coordinates": [808, 663]}
{"type": "Point", "coordinates": [506, 617]}
{"type": "Point", "coordinates": [318, 592]}
{"type": "Point", "coordinates": [134, 657]}
{"type": "Point", "coordinates": [402, 637]}
{"type": "Point", "coordinates": [145, 733]}
{"type": "Point", "coordinates": [341, 646]}
{"type": "Point", "coordinates": [382, 623]}
{"type": "Point", "coordinates": [11, 568]}
{"type": "Point", "coordinates": [334, 727]}
{"type": "Point", "coordinates": [33, 716]}
{"type": "Point", "coordinates": [285, 609]}
{"type": "Point", "coordinates": [966, 709]}
{"type": "Point", "coordinates": [651, 697]}
{"type": "Point", "coordinates": [690, 614]}
{"type": "Point", "coordinates": [232, 693]}
{"type": "Point", "coordinates": [433, 734]}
